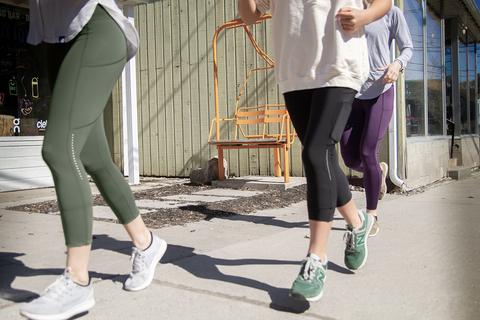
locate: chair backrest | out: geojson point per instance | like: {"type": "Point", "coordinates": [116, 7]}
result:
{"type": "Point", "coordinates": [259, 120]}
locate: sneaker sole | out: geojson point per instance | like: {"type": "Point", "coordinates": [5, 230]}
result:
{"type": "Point", "coordinates": [158, 256]}
{"type": "Point", "coordinates": [369, 228]}
{"type": "Point", "coordinates": [299, 297]}
{"type": "Point", "coordinates": [83, 307]}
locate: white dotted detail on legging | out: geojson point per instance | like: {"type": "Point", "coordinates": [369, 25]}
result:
{"type": "Point", "coordinates": [75, 158]}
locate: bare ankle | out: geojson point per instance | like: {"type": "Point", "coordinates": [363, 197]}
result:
{"type": "Point", "coordinates": [143, 241]}
{"type": "Point", "coordinates": [79, 277]}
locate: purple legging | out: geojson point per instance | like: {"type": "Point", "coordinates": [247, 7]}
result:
{"type": "Point", "coordinates": [365, 129]}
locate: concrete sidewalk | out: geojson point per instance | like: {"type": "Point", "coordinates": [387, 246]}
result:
{"type": "Point", "coordinates": [424, 264]}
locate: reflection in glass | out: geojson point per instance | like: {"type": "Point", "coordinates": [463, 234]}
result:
{"type": "Point", "coordinates": [414, 82]}
{"type": "Point", "coordinates": [434, 73]}
{"type": "Point", "coordinates": [478, 88]}
{"type": "Point", "coordinates": [24, 91]}
{"type": "Point", "coordinates": [448, 84]}
{"type": "Point", "coordinates": [463, 81]}
{"type": "Point", "coordinates": [471, 85]}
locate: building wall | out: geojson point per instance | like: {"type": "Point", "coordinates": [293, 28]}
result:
{"type": "Point", "coordinates": [427, 160]}
{"type": "Point", "coordinates": [175, 88]}
{"type": "Point", "coordinates": [468, 153]}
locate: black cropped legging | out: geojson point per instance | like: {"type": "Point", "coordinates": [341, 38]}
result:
{"type": "Point", "coordinates": [319, 117]}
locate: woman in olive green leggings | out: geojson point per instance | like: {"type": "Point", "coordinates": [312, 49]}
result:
{"type": "Point", "coordinates": [83, 72]}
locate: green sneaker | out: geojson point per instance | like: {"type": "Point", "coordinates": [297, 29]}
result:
{"type": "Point", "coordinates": [310, 281]}
{"type": "Point", "coordinates": [356, 250]}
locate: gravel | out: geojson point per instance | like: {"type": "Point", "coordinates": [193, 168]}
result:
{"type": "Point", "coordinates": [190, 213]}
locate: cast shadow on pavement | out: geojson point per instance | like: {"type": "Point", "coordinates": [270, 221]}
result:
{"type": "Point", "coordinates": [200, 265]}
{"type": "Point", "coordinates": [205, 267]}
{"type": "Point", "coordinates": [12, 267]}
{"type": "Point", "coordinates": [226, 215]}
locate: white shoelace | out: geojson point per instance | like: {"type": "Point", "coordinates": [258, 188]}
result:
{"type": "Point", "coordinates": [59, 288]}
{"type": "Point", "coordinates": [138, 260]}
{"type": "Point", "coordinates": [311, 266]}
{"type": "Point", "coordinates": [350, 238]}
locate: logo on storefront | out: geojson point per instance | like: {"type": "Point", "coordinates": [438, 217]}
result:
{"type": "Point", "coordinates": [42, 125]}
{"type": "Point", "coordinates": [16, 125]}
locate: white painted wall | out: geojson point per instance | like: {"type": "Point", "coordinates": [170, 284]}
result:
{"type": "Point", "coordinates": [21, 164]}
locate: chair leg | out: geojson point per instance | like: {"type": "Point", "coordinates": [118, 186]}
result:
{"type": "Point", "coordinates": [221, 169]}
{"type": "Point", "coordinates": [286, 164]}
{"type": "Point", "coordinates": [276, 162]}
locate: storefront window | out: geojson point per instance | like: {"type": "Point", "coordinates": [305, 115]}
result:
{"type": "Point", "coordinates": [434, 74]}
{"type": "Point", "coordinates": [478, 88]}
{"type": "Point", "coordinates": [24, 93]}
{"type": "Point", "coordinates": [463, 77]}
{"type": "Point", "coordinates": [472, 85]}
{"type": "Point", "coordinates": [448, 83]}
{"type": "Point", "coordinates": [414, 80]}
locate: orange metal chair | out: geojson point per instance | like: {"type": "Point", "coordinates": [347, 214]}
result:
{"type": "Point", "coordinates": [270, 123]}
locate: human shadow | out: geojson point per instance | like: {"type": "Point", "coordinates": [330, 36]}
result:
{"type": "Point", "coordinates": [12, 267]}
{"type": "Point", "coordinates": [232, 216]}
{"type": "Point", "coordinates": [205, 267]}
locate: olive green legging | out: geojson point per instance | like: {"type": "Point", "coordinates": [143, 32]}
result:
{"type": "Point", "coordinates": [83, 73]}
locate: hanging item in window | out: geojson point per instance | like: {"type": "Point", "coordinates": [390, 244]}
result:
{"type": "Point", "coordinates": [26, 105]}
{"type": "Point", "coordinates": [35, 91]}
{"type": "Point", "coordinates": [12, 87]}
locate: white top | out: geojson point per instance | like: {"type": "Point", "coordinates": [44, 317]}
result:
{"type": "Point", "coordinates": [311, 49]}
{"type": "Point", "coordinates": [58, 21]}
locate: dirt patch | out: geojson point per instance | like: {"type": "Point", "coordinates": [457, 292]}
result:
{"type": "Point", "coordinates": [190, 213]}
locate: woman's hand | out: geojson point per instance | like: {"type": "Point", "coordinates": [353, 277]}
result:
{"type": "Point", "coordinates": [352, 19]}
{"type": "Point", "coordinates": [248, 11]}
{"type": "Point", "coordinates": [392, 71]}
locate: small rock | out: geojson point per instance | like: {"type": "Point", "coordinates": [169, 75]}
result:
{"type": "Point", "coordinates": [204, 176]}
{"type": "Point", "coordinates": [198, 177]}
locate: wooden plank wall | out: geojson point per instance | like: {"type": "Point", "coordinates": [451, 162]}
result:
{"type": "Point", "coordinates": [175, 84]}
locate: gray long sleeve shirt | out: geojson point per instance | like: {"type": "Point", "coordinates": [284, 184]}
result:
{"type": "Point", "coordinates": [380, 35]}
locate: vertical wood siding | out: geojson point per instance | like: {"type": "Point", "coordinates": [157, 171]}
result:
{"type": "Point", "coordinates": [175, 88]}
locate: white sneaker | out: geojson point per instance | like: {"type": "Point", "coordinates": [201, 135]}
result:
{"type": "Point", "coordinates": [383, 188]}
{"type": "Point", "coordinates": [144, 263]}
{"type": "Point", "coordinates": [375, 228]}
{"type": "Point", "coordinates": [61, 300]}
